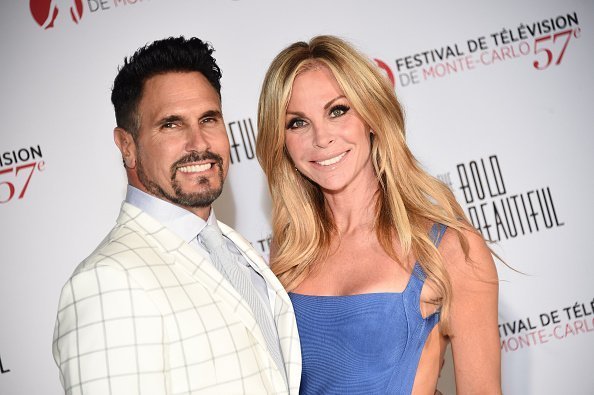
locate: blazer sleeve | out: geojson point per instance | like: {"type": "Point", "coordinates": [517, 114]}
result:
{"type": "Point", "coordinates": [109, 336]}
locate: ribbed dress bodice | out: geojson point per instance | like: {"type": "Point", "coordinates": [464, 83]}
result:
{"type": "Point", "coordinates": [363, 344]}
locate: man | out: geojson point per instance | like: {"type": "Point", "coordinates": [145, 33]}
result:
{"type": "Point", "coordinates": [166, 304]}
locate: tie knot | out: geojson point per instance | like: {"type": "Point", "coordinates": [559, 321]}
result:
{"type": "Point", "coordinates": [211, 237]}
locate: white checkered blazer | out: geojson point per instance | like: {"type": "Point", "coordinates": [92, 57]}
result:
{"type": "Point", "coordinates": [146, 313]}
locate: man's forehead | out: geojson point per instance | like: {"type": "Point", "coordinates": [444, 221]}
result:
{"type": "Point", "coordinates": [179, 90]}
{"type": "Point", "coordinates": [175, 80]}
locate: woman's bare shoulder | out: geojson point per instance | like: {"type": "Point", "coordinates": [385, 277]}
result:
{"type": "Point", "coordinates": [478, 264]}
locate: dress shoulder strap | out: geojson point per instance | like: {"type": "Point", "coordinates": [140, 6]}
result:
{"type": "Point", "coordinates": [436, 234]}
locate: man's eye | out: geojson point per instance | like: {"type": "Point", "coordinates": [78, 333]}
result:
{"type": "Point", "coordinates": [296, 123]}
{"type": "Point", "coordinates": [339, 110]}
{"type": "Point", "coordinates": [169, 125]}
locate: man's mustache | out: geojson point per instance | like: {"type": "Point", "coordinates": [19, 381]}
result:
{"type": "Point", "coordinates": [196, 157]}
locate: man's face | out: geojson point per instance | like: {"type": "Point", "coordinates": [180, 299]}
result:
{"type": "Point", "coordinates": [182, 150]}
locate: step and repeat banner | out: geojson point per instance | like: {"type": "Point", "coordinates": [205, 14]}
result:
{"type": "Point", "coordinates": [498, 99]}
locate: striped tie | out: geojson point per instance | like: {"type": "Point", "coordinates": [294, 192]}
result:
{"type": "Point", "coordinates": [223, 260]}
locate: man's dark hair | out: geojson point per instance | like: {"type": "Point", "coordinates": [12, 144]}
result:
{"type": "Point", "coordinates": [173, 54]}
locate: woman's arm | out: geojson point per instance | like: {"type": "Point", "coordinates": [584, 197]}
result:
{"type": "Point", "coordinates": [473, 316]}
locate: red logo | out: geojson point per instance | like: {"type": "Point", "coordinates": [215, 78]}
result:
{"type": "Point", "coordinates": [386, 69]}
{"type": "Point", "coordinates": [47, 12]}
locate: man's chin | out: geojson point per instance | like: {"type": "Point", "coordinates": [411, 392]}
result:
{"type": "Point", "coordinates": [197, 199]}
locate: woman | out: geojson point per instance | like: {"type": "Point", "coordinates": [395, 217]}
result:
{"type": "Point", "coordinates": [379, 260]}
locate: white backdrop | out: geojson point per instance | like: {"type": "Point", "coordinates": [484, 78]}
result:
{"type": "Point", "coordinates": [513, 141]}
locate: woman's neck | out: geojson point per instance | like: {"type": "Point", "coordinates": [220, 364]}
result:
{"type": "Point", "coordinates": [354, 207]}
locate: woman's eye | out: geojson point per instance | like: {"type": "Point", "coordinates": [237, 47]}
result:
{"type": "Point", "coordinates": [296, 123]}
{"type": "Point", "coordinates": [339, 110]}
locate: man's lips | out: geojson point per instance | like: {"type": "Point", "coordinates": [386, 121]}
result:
{"type": "Point", "coordinates": [197, 162]}
{"type": "Point", "coordinates": [195, 168]}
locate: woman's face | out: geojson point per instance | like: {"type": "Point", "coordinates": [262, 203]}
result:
{"type": "Point", "coordinates": [326, 138]}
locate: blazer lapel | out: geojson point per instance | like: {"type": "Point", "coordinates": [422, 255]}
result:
{"type": "Point", "coordinates": [200, 268]}
{"type": "Point", "coordinates": [284, 315]}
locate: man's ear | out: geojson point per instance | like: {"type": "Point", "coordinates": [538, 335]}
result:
{"type": "Point", "coordinates": [127, 146]}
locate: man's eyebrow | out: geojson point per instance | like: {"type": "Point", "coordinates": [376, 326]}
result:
{"type": "Point", "coordinates": [212, 113]}
{"type": "Point", "coordinates": [169, 118]}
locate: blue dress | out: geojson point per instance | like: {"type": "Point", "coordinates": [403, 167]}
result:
{"type": "Point", "coordinates": [364, 344]}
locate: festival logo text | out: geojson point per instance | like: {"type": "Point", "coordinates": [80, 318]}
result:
{"type": "Point", "coordinates": [546, 42]}
{"type": "Point", "coordinates": [555, 325]}
{"type": "Point", "coordinates": [51, 13]}
{"type": "Point", "coordinates": [242, 139]}
{"type": "Point", "coordinates": [493, 210]}
{"type": "Point", "coordinates": [17, 168]}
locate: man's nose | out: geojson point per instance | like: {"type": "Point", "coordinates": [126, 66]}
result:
{"type": "Point", "coordinates": [196, 140]}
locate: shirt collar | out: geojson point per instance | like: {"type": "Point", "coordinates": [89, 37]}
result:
{"type": "Point", "coordinates": [180, 221]}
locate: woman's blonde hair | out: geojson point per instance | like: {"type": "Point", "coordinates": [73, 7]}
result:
{"type": "Point", "coordinates": [408, 200]}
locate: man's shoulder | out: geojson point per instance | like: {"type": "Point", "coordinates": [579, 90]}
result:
{"type": "Point", "coordinates": [136, 241]}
